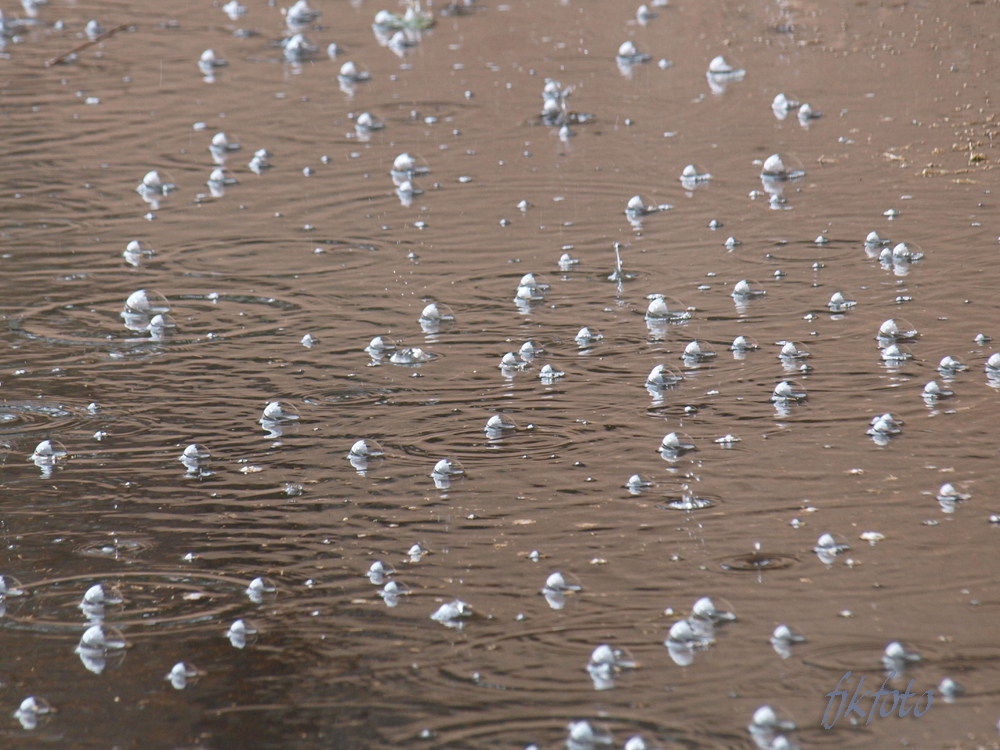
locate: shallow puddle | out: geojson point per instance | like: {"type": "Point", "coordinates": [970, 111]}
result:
{"type": "Point", "coordinates": [616, 205]}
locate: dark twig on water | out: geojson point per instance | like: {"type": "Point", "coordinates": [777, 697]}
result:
{"type": "Point", "coordinates": [91, 43]}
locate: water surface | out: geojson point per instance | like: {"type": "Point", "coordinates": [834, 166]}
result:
{"type": "Point", "coordinates": [908, 125]}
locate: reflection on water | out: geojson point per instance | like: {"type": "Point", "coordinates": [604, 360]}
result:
{"type": "Point", "coordinates": [419, 425]}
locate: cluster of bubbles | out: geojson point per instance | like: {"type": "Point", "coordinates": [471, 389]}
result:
{"type": "Point", "coordinates": [148, 312]}
{"type": "Point", "coordinates": [102, 645]}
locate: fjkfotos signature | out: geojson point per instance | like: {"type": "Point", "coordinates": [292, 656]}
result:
{"type": "Point", "coordinates": [854, 706]}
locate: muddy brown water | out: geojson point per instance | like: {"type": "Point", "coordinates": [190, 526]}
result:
{"type": "Point", "coordinates": [908, 124]}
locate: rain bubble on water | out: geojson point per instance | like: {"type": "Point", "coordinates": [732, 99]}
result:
{"type": "Point", "coordinates": [379, 572]}
{"type": "Point", "coordinates": [234, 10]}
{"type": "Point", "coordinates": [743, 344]}
{"type": "Point", "coordinates": [405, 167]}
{"type": "Point", "coordinates": [586, 337]}
{"type": "Point", "coordinates": [557, 586]}
{"type": "Point", "coordinates": [788, 391]}
{"type": "Point", "coordinates": [260, 589]}
{"type": "Point", "coordinates": [896, 354]}
{"type": "Point", "coordinates": [161, 327]}
{"type": "Point", "coordinates": [10, 586]}
{"type": "Point", "coordinates": [99, 600]}
{"type": "Point", "coordinates": [300, 15]}
{"type": "Point", "coordinates": [349, 75]}
{"type": "Point", "coordinates": [744, 291]}
{"type": "Point", "coordinates": [297, 47]}
{"type": "Point", "coordinates": [446, 471]}
{"type": "Point", "coordinates": [259, 162]}
{"type": "Point", "coordinates": [529, 350]}
{"type": "Point", "coordinates": [933, 392]}
{"type": "Point", "coordinates": [548, 374]}
{"type": "Point", "coordinates": [636, 485]}
{"type": "Point", "coordinates": [452, 614]}
{"type": "Point", "coordinates": [100, 645]}
{"type": "Point", "coordinates": [774, 170]}
{"type": "Point", "coordinates": [583, 736]}
{"type": "Point", "coordinates": [691, 178]}
{"type": "Point", "coordinates": [884, 427]}
{"type": "Point", "coordinates": [181, 675]}
{"type": "Point", "coordinates": [949, 497]}
{"type": "Point", "coordinates": [606, 663]}
{"type": "Point", "coordinates": [628, 56]}
{"type": "Point", "coordinates": [531, 288]}
{"type": "Point", "coordinates": [136, 253]}
{"type": "Point", "coordinates": [435, 316]}
{"type": "Point", "coordinates": [949, 689]}
{"type": "Point", "coordinates": [807, 115]}
{"type": "Point", "coordinates": [140, 308]}
{"type": "Point", "coordinates": [567, 262]}
{"type": "Point", "coordinates": [827, 548]}
{"type": "Point", "coordinates": [661, 378]}
{"type": "Point", "coordinates": [685, 637]}
{"type": "Point", "coordinates": [839, 303]}
{"type": "Point", "coordinates": [782, 105]}
{"type": "Point", "coordinates": [241, 633]}
{"type": "Point", "coordinates": [195, 458]}
{"type": "Point", "coordinates": [705, 609]}
{"type": "Point", "coordinates": [697, 352]}
{"type": "Point", "coordinates": [499, 425]}
{"type": "Point", "coordinates": [950, 366]}
{"type": "Point", "coordinates": [720, 73]}
{"type": "Point", "coordinates": [993, 367]}
{"type": "Point", "coordinates": [783, 638]}
{"type": "Point", "coordinates": [277, 416]}
{"type": "Point", "coordinates": [644, 15]}
{"type": "Point", "coordinates": [32, 711]}
{"type": "Point", "coordinates": [896, 657]}
{"type": "Point", "coordinates": [48, 455]}
{"type": "Point", "coordinates": [675, 444]}
{"type": "Point", "coordinates": [791, 350]}
{"type": "Point", "coordinates": [391, 593]}
{"type": "Point", "coordinates": [765, 726]}
{"type": "Point", "coordinates": [380, 346]}
{"type": "Point", "coordinates": [895, 330]}
{"type": "Point", "coordinates": [409, 356]}
{"type": "Point", "coordinates": [208, 62]}
{"type": "Point", "coordinates": [666, 309]}
{"type": "Point", "coordinates": [364, 453]}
